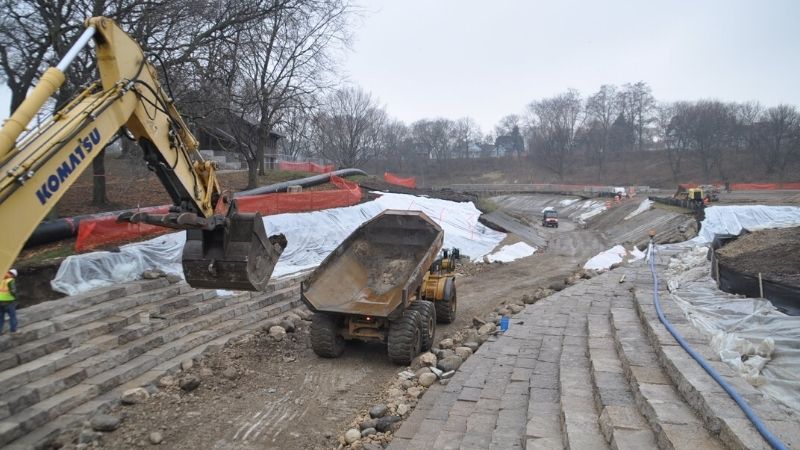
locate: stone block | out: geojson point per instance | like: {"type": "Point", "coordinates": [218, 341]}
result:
{"type": "Point", "coordinates": [481, 422]}
{"type": "Point", "coordinates": [448, 440]}
{"type": "Point", "coordinates": [626, 439]}
{"type": "Point", "coordinates": [476, 441]}
{"type": "Point", "coordinates": [456, 423]}
{"type": "Point", "coordinates": [543, 443]}
{"type": "Point", "coordinates": [622, 417]}
{"type": "Point", "coordinates": [649, 375]}
{"type": "Point", "coordinates": [686, 436]}
{"type": "Point", "coordinates": [462, 408]}
{"type": "Point", "coordinates": [469, 394]}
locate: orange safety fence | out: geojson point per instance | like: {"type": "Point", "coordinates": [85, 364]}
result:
{"type": "Point", "coordinates": [410, 182]}
{"type": "Point", "coordinates": [305, 166]}
{"type": "Point", "coordinates": [763, 186]}
{"type": "Point", "coordinates": [348, 193]}
{"type": "Point", "coordinates": [105, 230]}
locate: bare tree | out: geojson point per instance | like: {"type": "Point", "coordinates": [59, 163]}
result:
{"type": "Point", "coordinates": [465, 133]}
{"type": "Point", "coordinates": [675, 120]}
{"type": "Point", "coordinates": [433, 137]}
{"type": "Point", "coordinates": [780, 128]}
{"type": "Point", "coordinates": [289, 56]}
{"type": "Point", "coordinates": [637, 104]}
{"type": "Point", "coordinates": [602, 109]}
{"type": "Point", "coordinates": [555, 122]}
{"type": "Point", "coordinates": [347, 128]}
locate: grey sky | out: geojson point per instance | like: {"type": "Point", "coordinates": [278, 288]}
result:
{"type": "Point", "coordinates": [487, 59]}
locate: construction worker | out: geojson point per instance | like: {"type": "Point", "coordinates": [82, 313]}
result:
{"type": "Point", "coordinates": [8, 300]}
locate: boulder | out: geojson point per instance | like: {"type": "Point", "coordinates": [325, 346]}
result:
{"type": "Point", "coordinates": [230, 373]}
{"type": "Point", "coordinates": [189, 383]}
{"type": "Point", "coordinates": [369, 423]}
{"type": "Point", "coordinates": [450, 363]}
{"type": "Point", "coordinates": [277, 332]}
{"type": "Point", "coordinates": [166, 381]}
{"type": "Point", "coordinates": [427, 379]}
{"type": "Point", "coordinates": [105, 422]}
{"type": "Point", "coordinates": [472, 345]}
{"type": "Point", "coordinates": [444, 353]}
{"type": "Point", "coordinates": [516, 309]}
{"type": "Point", "coordinates": [385, 423]}
{"type": "Point", "coordinates": [378, 411]}
{"type": "Point", "coordinates": [288, 325]}
{"type": "Point", "coordinates": [187, 364]}
{"type": "Point", "coordinates": [352, 435]}
{"type": "Point", "coordinates": [487, 329]}
{"type": "Point", "coordinates": [414, 392]}
{"type": "Point", "coordinates": [152, 274]}
{"type": "Point", "coordinates": [402, 409]}
{"type": "Point", "coordinates": [463, 352]}
{"type": "Point", "coordinates": [422, 371]}
{"type": "Point", "coordinates": [445, 344]}
{"type": "Point", "coordinates": [427, 359]}
{"type": "Point", "coordinates": [156, 438]}
{"type": "Point", "coordinates": [134, 396]}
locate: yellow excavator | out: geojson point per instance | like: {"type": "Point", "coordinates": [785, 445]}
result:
{"type": "Point", "coordinates": [37, 166]}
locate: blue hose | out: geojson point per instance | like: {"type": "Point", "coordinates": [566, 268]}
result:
{"type": "Point", "coordinates": [768, 436]}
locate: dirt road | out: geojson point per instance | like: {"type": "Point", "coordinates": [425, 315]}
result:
{"type": "Point", "coordinates": [282, 395]}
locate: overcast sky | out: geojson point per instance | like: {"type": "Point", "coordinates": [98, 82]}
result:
{"type": "Point", "coordinates": [487, 59]}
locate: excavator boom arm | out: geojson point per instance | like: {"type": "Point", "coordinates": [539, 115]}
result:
{"type": "Point", "coordinates": [231, 251]}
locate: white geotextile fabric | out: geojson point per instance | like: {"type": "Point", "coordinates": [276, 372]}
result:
{"type": "Point", "coordinates": [508, 253]}
{"type": "Point", "coordinates": [644, 206]}
{"type": "Point", "coordinates": [615, 255]}
{"type": "Point", "coordinates": [733, 219]}
{"type": "Point", "coordinates": [311, 237]}
{"type": "Point", "coordinates": [594, 208]}
{"type": "Point", "coordinates": [750, 335]}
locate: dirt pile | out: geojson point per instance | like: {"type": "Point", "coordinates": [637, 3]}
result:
{"type": "Point", "coordinates": [773, 253]}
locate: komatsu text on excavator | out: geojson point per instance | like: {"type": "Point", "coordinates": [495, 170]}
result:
{"type": "Point", "coordinates": [222, 251]}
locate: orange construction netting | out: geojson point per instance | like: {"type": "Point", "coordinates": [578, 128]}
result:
{"type": "Point", "coordinates": [105, 230]}
{"type": "Point", "coordinates": [348, 193]}
{"type": "Point", "coordinates": [763, 186]}
{"type": "Point", "coordinates": [305, 166]}
{"type": "Point", "coordinates": [410, 182]}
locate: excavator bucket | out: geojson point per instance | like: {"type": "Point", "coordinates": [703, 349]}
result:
{"type": "Point", "coordinates": [236, 256]}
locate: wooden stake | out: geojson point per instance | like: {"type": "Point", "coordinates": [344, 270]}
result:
{"type": "Point", "coordinates": [760, 286]}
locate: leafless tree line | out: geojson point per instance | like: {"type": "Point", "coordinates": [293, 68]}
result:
{"type": "Point", "coordinates": [562, 130]}
{"type": "Point", "coordinates": [238, 69]}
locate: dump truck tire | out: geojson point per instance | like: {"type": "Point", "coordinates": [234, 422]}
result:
{"type": "Point", "coordinates": [325, 339]}
{"type": "Point", "coordinates": [427, 313]}
{"type": "Point", "coordinates": [446, 307]}
{"type": "Point", "coordinates": [405, 338]}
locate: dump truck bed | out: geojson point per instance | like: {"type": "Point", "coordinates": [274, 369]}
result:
{"type": "Point", "coordinates": [373, 272]}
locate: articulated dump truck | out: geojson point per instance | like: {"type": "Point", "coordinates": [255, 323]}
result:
{"type": "Point", "coordinates": [387, 282]}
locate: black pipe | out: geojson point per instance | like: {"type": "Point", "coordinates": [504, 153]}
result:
{"type": "Point", "coordinates": [67, 227]}
{"type": "Point", "coordinates": [305, 182]}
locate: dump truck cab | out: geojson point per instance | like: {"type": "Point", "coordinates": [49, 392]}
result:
{"type": "Point", "coordinates": [550, 217]}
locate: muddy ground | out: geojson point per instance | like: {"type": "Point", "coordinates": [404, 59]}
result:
{"type": "Point", "coordinates": [773, 253]}
{"type": "Point", "coordinates": [287, 397]}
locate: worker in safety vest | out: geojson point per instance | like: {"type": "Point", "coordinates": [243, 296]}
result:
{"type": "Point", "coordinates": [8, 300]}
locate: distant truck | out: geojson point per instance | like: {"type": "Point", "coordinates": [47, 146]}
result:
{"type": "Point", "coordinates": [550, 217]}
{"type": "Point", "coordinates": [386, 282]}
